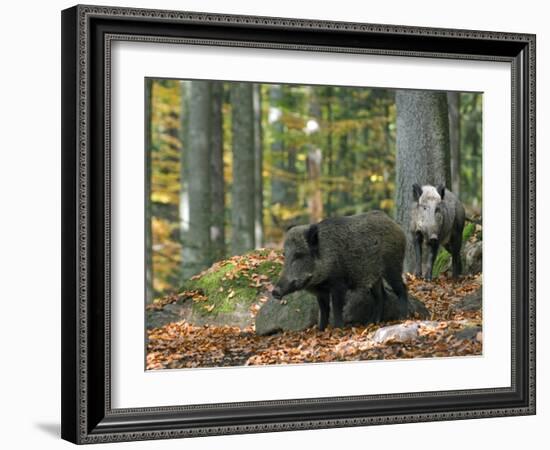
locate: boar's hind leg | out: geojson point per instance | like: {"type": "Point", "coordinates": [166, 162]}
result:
{"type": "Point", "coordinates": [338, 296]}
{"type": "Point", "coordinates": [323, 298]}
{"type": "Point", "coordinates": [454, 250]}
{"type": "Point", "coordinates": [379, 294]}
{"type": "Point", "coordinates": [395, 280]}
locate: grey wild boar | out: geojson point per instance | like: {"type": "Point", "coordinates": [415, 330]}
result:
{"type": "Point", "coordinates": [437, 219]}
{"type": "Point", "coordinates": [344, 255]}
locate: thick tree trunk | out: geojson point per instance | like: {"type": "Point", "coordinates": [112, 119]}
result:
{"type": "Point", "coordinates": [453, 98]}
{"type": "Point", "coordinates": [422, 146]}
{"type": "Point", "coordinates": [258, 168]}
{"type": "Point", "coordinates": [196, 232]}
{"type": "Point", "coordinates": [242, 198]}
{"type": "Point", "coordinates": [217, 222]}
{"type": "Point", "coordinates": [149, 291]}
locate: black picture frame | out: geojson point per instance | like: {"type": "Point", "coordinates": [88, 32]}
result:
{"type": "Point", "coordinates": [87, 32]}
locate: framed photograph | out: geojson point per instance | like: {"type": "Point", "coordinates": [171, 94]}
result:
{"type": "Point", "coordinates": [282, 224]}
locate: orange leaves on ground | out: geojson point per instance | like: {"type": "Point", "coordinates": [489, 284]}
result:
{"type": "Point", "coordinates": [181, 345]}
{"type": "Point", "coordinates": [442, 294]}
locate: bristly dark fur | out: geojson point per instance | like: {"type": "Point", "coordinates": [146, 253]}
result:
{"type": "Point", "coordinates": [344, 254]}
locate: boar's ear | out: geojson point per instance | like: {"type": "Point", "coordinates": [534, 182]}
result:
{"type": "Point", "coordinates": [417, 191]}
{"type": "Point", "coordinates": [441, 191]}
{"type": "Point", "coordinates": [312, 239]}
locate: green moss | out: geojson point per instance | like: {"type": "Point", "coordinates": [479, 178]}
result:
{"type": "Point", "coordinates": [468, 231]}
{"type": "Point", "coordinates": [441, 261]}
{"type": "Point", "coordinates": [271, 269]}
{"type": "Point", "coordinates": [443, 257]}
{"type": "Point", "coordinates": [225, 287]}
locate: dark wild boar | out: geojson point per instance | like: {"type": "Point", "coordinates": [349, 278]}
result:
{"type": "Point", "coordinates": [437, 218]}
{"type": "Point", "coordinates": [344, 254]}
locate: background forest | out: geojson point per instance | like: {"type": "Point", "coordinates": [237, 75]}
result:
{"type": "Point", "coordinates": [231, 165]}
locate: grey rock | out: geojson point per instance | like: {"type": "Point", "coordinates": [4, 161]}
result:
{"type": "Point", "coordinates": [176, 312]}
{"type": "Point", "coordinates": [299, 311]}
{"type": "Point", "coordinates": [403, 332]}
{"type": "Point", "coordinates": [473, 257]}
{"type": "Point", "coordinates": [468, 332]}
{"type": "Point", "coordinates": [471, 302]}
{"type": "Point", "coordinates": [296, 312]}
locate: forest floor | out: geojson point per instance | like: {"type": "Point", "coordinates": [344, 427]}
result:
{"type": "Point", "coordinates": [450, 331]}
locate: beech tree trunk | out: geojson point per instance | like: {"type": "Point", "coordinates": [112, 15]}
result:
{"type": "Point", "coordinates": [258, 168]}
{"type": "Point", "coordinates": [217, 220]}
{"type": "Point", "coordinates": [196, 188]}
{"type": "Point", "coordinates": [278, 185]}
{"type": "Point", "coordinates": [149, 290]}
{"type": "Point", "coordinates": [453, 99]}
{"type": "Point", "coordinates": [422, 149]}
{"type": "Point", "coordinates": [242, 193]}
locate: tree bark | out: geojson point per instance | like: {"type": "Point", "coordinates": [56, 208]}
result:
{"type": "Point", "coordinates": [217, 224]}
{"type": "Point", "coordinates": [422, 146]}
{"type": "Point", "coordinates": [258, 168]}
{"type": "Point", "coordinates": [149, 289]}
{"type": "Point", "coordinates": [315, 198]}
{"type": "Point", "coordinates": [278, 185]}
{"type": "Point", "coordinates": [330, 146]}
{"type": "Point", "coordinates": [196, 190]}
{"type": "Point", "coordinates": [314, 161]}
{"type": "Point", "coordinates": [242, 207]}
{"type": "Point", "coordinates": [453, 99]}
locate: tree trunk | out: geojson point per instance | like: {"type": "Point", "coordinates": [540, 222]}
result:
{"type": "Point", "coordinates": [149, 291]}
{"type": "Point", "coordinates": [196, 232]}
{"type": "Point", "coordinates": [330, 146]}
{"type": "Point", "coordinates": [258, 168]}
{"type": "Point", "coordinates": [453, 98]}
{"type": "Point", "coordinates": [278, 185]}
{"type": "Point", "coordinates": [315, 199]}
{"type": "Point", "coordinates": [242, 207]}
{"type": "Point", "coordinates": [314, 160]}
{"type": "Point", "coordinates": [217, 223]}
{"type": "Point", "coordinates": [422, 143]}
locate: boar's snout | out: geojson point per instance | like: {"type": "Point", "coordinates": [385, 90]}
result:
{"type": "Point", "coordinates": [277, 292]}
{"type": "Point", "coordinates": [284, 287]}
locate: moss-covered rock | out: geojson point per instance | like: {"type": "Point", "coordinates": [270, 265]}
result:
{"type": "Point", "coordinates": [225, 293]}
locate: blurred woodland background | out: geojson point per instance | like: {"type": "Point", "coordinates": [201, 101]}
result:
{"type": "Point", "coordinates": [231, 165]}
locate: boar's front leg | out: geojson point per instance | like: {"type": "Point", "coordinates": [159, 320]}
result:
{"type": "Point", "coordinates": [433, 244]}
{"type": "Point", "coordinates": [323, 298]}
{"type": "Point", "coordinates": [418, 238]}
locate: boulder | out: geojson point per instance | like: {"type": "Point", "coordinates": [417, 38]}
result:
{"type": "Point", "coordinates": [239, 315]}
{"type": "Point", "coordinates": [403, 332]}
{"type": "Point", "coordinates": [472, 257]}
{"type": "Point", "coordinates": [299, 311]}
{"type": "Point", "coordinates": [471, 302]}
{"type": "Point", "coordinates": [468, 332]}
{"type": "Point", "coordinates": [296, 312]}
